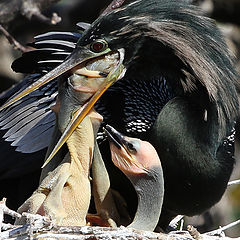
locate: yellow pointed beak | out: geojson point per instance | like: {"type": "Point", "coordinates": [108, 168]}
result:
{"type": "Point", "coordinates": [79, 56]}
{"type": "Point", "coordinates": [112, 77]}
{"type": "Point", "coordinates": [75, 63]}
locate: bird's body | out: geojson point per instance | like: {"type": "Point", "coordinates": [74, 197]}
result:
{"type": "Point", "coordinates": [139, 161]}
{"type": "Point", "coordinates": [203, 178]}
{"type": "Point", "coordinates": [179, 93]}
{"type": "Point", "coordinates": [64, 192]}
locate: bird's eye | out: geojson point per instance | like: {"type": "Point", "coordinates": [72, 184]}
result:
{"type": "Point", "coordinates": [131, 147]}
{"type": "Point", "coordinates": [98, 46]}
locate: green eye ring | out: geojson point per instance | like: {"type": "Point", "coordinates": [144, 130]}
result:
{"type": "Point", "coordinates": [98, 46]}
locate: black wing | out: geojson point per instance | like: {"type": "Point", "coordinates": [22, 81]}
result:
{"type": "Point", "coordinates": [26, 126]}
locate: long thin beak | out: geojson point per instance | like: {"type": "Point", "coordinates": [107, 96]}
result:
{"type": "Point", "coordinates": [64, 67]}
{"type": "Point", "coordinates": [112, 77]}
{"type": "Point", "coordinates": [76, 58]}
{"type": "Point", "coordinates": [114, 136]}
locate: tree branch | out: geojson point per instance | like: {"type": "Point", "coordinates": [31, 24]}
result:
{"type": "Point", "coordinates": [113, 5]}
{"type": "Point", "coordinates": [234, 182]}
{"type": "Point", "coordinates": [40, 227]}
{"type": "Point", "coordinates": [13, 41]}
{"type": "Point", "coordinates": [13, 9]}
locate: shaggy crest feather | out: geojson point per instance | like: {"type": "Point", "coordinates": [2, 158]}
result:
{"type": "Point", "coordinates": [205, 56]}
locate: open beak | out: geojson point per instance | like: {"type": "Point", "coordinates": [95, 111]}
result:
{"type": "Point", "coordinates": [78, 57]}
{"type": "Point", "coordinates": [116, 73]}
{"type": "Point", "coordinates": [76, 64]}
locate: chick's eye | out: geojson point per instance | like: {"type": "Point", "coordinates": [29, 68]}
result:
{"type": "Point", "coordinates": [131, 147]}
{"type": "Point", "coordinates": [98, 46]}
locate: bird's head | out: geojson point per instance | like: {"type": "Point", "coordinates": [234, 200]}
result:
{"type": "Point", "coordinates": [131, 155]}
{"type": "Point", "coordinates": [169, 36]}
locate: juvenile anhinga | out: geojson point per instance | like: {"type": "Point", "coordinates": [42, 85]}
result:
{"type": "Point", "coordinates": [139, 161]}
{"type": "Point", "coordinates": [179, 92]}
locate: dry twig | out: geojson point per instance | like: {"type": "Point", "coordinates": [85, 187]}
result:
{"type": "Point", "coordinates": [175, 221]}
{"type": "Point", "coordinates": [13, 41]}
{"type": "Point", "coordinates": [40, 227]}
{"type": "Point", "coordinates": [194, 232]}
{"type": "Point", "coordinates": [12, 9]}
{"type": "Point", "coordinates": [113, 5]}
{"type": "Point", "coordinates": [221, 229]}
{"type": "Point", "coordinates": [234, 182]}
{"type": "Point", "coordinates": [5, 210]}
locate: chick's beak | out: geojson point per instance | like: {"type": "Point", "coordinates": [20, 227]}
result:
{"type": "Point", "coordinates": [78, 57]}
{"type": "Point", "coordinates": [75, 63]}
{"type": "Point", "coordinates": [124, 159]}
{"type": "Point", "coordinates": [113, 76]}
{"type": "Point", "coordinates": [114, 136]}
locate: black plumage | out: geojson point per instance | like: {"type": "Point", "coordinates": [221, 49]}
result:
{"type": "Point", "coordinates": [179, 92]}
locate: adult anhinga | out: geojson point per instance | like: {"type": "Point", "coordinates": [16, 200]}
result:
{"type": "Point", "coordinates": [179, 93]}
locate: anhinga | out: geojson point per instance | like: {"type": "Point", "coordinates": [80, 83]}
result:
{"type": "Point", "coordinates": [179, 92]}
{"type": "Point", "coordinates": [64, 191]}
{"type": "Point", "coordinates": [139, 161]}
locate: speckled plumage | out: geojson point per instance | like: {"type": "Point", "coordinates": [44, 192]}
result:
{"type": "Point", "coordinates": [190, 118]}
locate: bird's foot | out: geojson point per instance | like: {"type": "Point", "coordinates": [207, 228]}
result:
{"type": "Point", "coordinates": [101, 220]}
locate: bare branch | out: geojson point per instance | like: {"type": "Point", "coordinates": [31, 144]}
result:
{"type": "Point", "coordinates": [7, 226]}
{"type": "Point", "coordinates": [32, 10]}
{"type": "Point", "coordinates": [235, 182]}
{"type": "Point", "coordinates": [5, 210]}
{"type": "Point", "coordinates": [51, 21]}
{"type": "Point", "coordinates": [194, 232]}
{"type": "Point", "coordinates": [113, 5]}
{"type": "Point", "coordinates": [35, 223]}
{"type": "Point", "coordinates": [221, 229]}
{"type": "Point", "coordinates": [13, 41]}
{"type": "Point", "coordinates": [175, 221]}
{"type": "Point", "coordinates": [41, 227]}
{"type": "Point", "coordinates": [12, 9]}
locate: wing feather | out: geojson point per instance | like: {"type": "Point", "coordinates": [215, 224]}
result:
{"type": "Point", "coordinates": [28, 123]}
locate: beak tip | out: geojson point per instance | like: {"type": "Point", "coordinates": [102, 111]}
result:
{"type": "Point", "coordinates": [113, 136]}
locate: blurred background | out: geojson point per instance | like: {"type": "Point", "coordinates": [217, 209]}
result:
{"type": "Point", "coordinates": [18, 18]}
